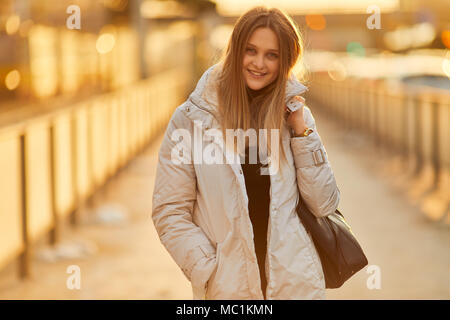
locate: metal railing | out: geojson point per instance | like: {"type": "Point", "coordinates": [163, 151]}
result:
{"type": "Point", "coordinates": [411, 123]}
{"type": "Point", "coordinates": [52, 163]}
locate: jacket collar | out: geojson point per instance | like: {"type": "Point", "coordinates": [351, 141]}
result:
{"type": "Point", "coordinates": [204, 98]}
{"type": "Point", "coordinates": [205, 94]}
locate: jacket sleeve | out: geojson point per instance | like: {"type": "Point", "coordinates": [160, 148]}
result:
{"type": "Point", "coordinates": [315, 178]}
{"type": "Point", "coordinates": [173, 201]}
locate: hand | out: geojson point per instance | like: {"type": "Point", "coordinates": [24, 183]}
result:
{"type": "Point", "coordinates": [295, 119]}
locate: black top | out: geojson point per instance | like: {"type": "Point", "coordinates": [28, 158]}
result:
{"type": "Point", "coordinates": [258, 191]}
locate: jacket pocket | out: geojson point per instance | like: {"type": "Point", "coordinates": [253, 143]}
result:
{"type": "Point", "coordinates": [211, 279]}
{"type": "Point", "coordinates": [201, 273]}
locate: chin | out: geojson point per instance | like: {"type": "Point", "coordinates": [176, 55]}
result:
{"type": "Point", "coordinates": [255, 85]}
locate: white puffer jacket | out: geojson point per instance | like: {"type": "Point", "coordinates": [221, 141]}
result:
{"type": "Point", "coordinates": [200, 211]}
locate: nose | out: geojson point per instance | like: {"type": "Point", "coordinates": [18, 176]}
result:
{"type": "Point", "coordinates": [258, 61]}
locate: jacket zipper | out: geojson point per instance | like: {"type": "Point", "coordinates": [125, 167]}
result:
{"type": "Point", "coordinates": [190, 99]}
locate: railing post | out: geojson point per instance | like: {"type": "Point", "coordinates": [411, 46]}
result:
{"type": "Point", "coordinates": [404, 132]}
{"type": "Point", "coordinates": [54, 232]}
{"type": "Point", "coordinates": [435, 153]}
{"type": "Point", "coordinates": [24, 259]}
{"type": "Point", "coordinates": [418, 135]}
{"type": "Point", "coordinates": [376, 114]}
{"type": "Point", "coordinates": [74, 216]}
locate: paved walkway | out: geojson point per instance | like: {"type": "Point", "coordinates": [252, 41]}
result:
{"type": "Point", "coordinates": [120, 256]}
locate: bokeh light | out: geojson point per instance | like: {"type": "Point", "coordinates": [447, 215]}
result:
{"type": "Point", "coordinates": [423, 34]}
{"type": "Point", "coordinates": [337, 71]}
{"type": "Point", "coordinates": [116, 5]}
{"type": "Point", "coordinates": [12, 24]}
{"type": "Point", "coordinates": [105, 43]}
{"type": "Point", "coordinates": [445, 36]}
{"type": "Point", "coordinates": [12, 80]}
{"type": "Point", "coordinates": [406, 37]}
{"type": "Point", "coordinates": [316, 22]}
{"type": "Point", "coordinates": [356, 49]}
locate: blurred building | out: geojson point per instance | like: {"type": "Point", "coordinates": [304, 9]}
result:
{"type": "Point", "coordinates": [118, 42]}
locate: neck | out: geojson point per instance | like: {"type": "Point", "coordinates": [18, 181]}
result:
{"type": "Point", "coordinates": [253, 93]}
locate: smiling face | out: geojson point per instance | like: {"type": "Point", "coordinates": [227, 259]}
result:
{"type": "Point", "coordinates": [261, 59]}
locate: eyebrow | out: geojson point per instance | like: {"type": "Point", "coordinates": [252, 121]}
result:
{"type": "Point", "coordinates": [274, 50]}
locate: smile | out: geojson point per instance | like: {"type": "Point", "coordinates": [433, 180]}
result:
{"type": "Point", "coordinates": [256, 74]}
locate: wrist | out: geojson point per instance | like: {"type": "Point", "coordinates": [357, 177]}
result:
{"type": "Point", "coordinates": [298, 132]}
{"type": "Point", "coordinates": [304, 132]}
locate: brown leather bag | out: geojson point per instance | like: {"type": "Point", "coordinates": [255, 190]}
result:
{"type": "Point", "coordinates": [340, 254]}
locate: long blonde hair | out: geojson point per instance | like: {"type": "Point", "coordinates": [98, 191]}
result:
{"type": "Point", "coordinates": [236, 106]}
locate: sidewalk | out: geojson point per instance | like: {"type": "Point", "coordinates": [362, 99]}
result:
{"type": "Point", "coordinates": [412, 253]}
{"type": "Point", "coordinates": [126, 259]}
{"type": "Point", "coordinates": [123, 258]}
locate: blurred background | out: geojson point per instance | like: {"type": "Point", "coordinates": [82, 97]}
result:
{"type": "Point", "coordinates": [87, 89]}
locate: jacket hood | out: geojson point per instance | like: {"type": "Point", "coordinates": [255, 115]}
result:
{"type": "Point", "coordinates": [205, 93]}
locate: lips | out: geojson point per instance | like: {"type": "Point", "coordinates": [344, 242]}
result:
{"type": "Point", "coordinates": [256, 74]}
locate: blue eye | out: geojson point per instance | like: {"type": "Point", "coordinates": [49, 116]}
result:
{"type": "Point", "coordinates": [273, 55]}
{"type": "Point", "coordinates": [251, 50]}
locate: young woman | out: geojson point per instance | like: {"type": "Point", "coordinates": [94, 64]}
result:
{"type": "Point", "coordinates": [232, 229]}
